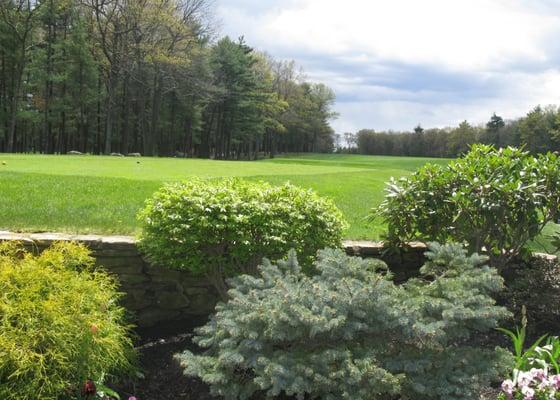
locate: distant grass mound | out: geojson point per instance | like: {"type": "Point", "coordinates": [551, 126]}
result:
{"type": "Point", "coordinates": [95, 194]}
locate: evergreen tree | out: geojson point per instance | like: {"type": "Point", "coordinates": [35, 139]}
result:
{"type": "Point", "coordinates": [144, 76]}
{"type": "Point", "coordinates": [350, 333]}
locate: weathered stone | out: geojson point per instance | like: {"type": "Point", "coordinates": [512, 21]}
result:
{"type": "Point", "coordinates": [129, 279]}
{"type": "Point", "coordinates": [191, 291]}
{"type": "Point", "coordinates": [122, 265]}
{"type": "Point", "coordinates": [171, 300]}
{"type": "Point", "coordinates": [164, 275]}
{"type": "Point", "coordinates": [137, 299]}
{"type": "Point", "coordinates": [153, 315]}
{"type": "Point", "coordinates": [46, 239]}
{"type": "Point", "coordinates": [202, 304]}
{"type": "Point", "coordinates": [137, 293]}
{"type": "Point", "coordinates": [108, 252]}
{"type": "Point", "coordinates": [546, 257]}
{"type": "Point", "coordinates": [187, 280]}
{"type": "Point", "coordinates": [119, 242]}
{"type": "Point", "coordinates": [126, 270]}
{"type": "Point", "coordinates": [166, 287]}
{"type": "Point", "coordinates": [8, 236]}
{"type": "Point", "coordinates": [160, 294]}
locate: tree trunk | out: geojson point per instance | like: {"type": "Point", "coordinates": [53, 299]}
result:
{"type": "Point", "coordinates": [205, 140]}
{"type": "Point", "coordinates": [125, 129]}
{"type": "Point", "coordinates": [156, 103]}
{"type": "Point", "coordinates": [13, 110]}
{"type": "Point", "coordinates": [109, 111]}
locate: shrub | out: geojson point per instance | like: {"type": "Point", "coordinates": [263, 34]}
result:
{"type": "Point", "coordinates": [221, 228]}
{"type": "Point", "coordinates": [493, 200]}
{"type": "Point", "coordinates": [60, 325]}
{"type": "Point", "coordinates": [350, 333]}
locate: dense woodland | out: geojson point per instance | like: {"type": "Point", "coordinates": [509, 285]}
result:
{"type": "Point", "coordinates": [538, 132]}
{"type": "Point", "coordinates": [149, 77]}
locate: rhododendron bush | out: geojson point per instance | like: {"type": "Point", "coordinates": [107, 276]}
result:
{"type": "Point", "coordinates": [350, 332]}
{"type": "Point", "coordinates": [494, 200]}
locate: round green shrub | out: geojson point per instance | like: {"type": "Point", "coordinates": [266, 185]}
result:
{"type": "Point", "coordinates": [493, 200]}
{"type": "Point", "coordinates": [60, 324]}
{"type": "Point", "coordinates": [221, 228]}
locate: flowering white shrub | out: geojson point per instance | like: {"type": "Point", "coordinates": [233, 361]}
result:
{"type": "Point", "coordinates": [536, 384]}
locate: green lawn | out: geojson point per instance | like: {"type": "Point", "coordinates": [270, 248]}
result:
{"type": "Point", "coordinates": [93, 194]}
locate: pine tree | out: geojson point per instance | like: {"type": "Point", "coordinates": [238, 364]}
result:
{"type": "Point", "coordinates": [350, 332]}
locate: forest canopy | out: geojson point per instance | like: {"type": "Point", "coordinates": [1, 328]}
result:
{"type": "Point", "coordinates": [149, 77]}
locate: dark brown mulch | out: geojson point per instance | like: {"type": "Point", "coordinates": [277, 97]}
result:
{"type": "Point", "coordinates": [163, 377]}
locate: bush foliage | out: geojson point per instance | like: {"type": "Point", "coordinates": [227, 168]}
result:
{"type": "Point", "coordinates": [60, 324]}
{"type": "Point", "coordinates": [350, 333]}
{"type": "Point", "coordinates": [222, 228]}
{"type": "Point", "coordinates": [493, 200]}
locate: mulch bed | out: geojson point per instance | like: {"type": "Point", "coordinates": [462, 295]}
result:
{"type": "Point", "coordinates": [163, 377]}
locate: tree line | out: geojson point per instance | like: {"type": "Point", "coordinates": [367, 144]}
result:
{"type": "Point", "coordinates": [538, 132]}
{"type": "Point", "coordinates": [150, 77]}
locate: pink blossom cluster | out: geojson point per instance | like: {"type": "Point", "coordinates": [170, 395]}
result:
{"type": "Point", "coordinates": [535, 384]}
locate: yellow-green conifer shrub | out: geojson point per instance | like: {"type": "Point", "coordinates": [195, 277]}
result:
{"type": "Point", "coordinates": [60, 323]}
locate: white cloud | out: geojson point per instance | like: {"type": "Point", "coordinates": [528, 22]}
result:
{"type": "Point", "coordinates": [402, 111]}
{"type": "Point", "coordinates": [491, 55]}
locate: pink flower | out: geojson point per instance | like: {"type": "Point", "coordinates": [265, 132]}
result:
{"type": "Point", "coordinates": [132, 398]}
{"type": "Point", "coordinates": [555, 381]}
{"type": "Point", "coordinates": [507, 387]}
{"type": "Point", "coordinates": [539, 374]}
{"type": "Point", "coordinates": [528, 393]}
{"type": "Point", "coordinates": [524, 379]}
{"type": "Point", "coordinates": [545, 384]}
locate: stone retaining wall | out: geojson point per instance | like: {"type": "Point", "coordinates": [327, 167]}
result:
{"type": "Point", "coordinates": [154, 294]}
{"type": "Point", "coordinates": [157, 294]}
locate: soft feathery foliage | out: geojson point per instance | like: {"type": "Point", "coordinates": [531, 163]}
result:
{"type": "Point", "coordinates": [222, 228]}
{"type": "Point", "coordinates": [60, 323]}
{"type": "Point", "coordinates": [350, 332]}
{"type": "Point", "coordinates": [493, 200]}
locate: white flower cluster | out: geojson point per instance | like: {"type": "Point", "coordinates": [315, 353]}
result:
{"type": "Point", "coordinates": [535, 384]}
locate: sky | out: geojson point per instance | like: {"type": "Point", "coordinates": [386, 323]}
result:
{"type": "Point", "coordinates": [395, 64]}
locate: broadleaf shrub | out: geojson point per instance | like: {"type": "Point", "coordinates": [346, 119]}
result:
{"type": "Point", "coordinates": [60, 324]}
{"type": "Point", "coordinates": [350, 332]}
{"type": "Point", "coordinates": [221, 228]}
{"type": "Point", "coordinates": [493, 200]}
